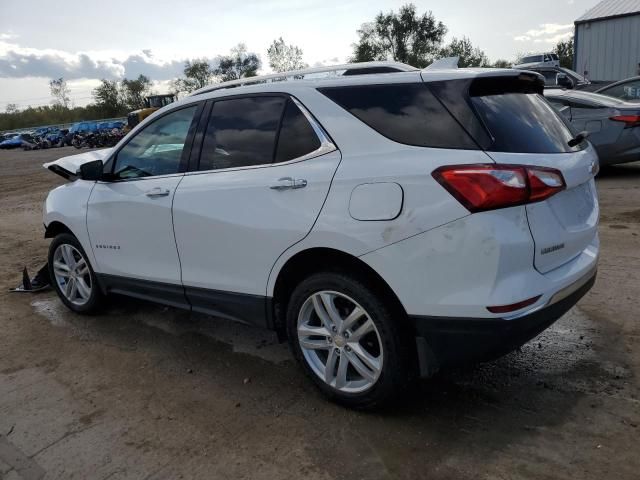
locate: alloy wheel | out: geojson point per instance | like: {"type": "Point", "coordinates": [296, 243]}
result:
{"type": "Point", "coordinates": [340, 341]}
{"type": "Point", "coordinates": [72, 274]}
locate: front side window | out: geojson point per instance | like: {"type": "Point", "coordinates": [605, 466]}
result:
{"type": "Point", "coordinates": [242, 132]}
{"type": "Point", "coordinates": [157, 149]}
{"type": "Point", "coordinates": [405, 113]}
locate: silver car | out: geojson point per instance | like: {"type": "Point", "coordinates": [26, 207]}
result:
{"type": "Point", "coordinates": [613, 124]}
{"type": "Point", "coordinates": [627, 89]}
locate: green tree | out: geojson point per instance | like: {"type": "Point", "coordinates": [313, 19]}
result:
{"type": "Point", "coordinates": [133, 92]}
{"type": "Point", "coordinates": [564, 49]}
{"type": "Point", "coordinates": [239, 64]}
{"type": "Point", "coordinates": [197, 74]}
{"type": "Point", "coordinates": [404, 36]}
{"type": "Point", "coordinates": [60, 92]}
{"type": "Point", "coordinates": [500, 63]}
{"type": "Point", "coordinates": [108, 98]}
{"type": "Point", "coordinates": [11, 108]}
{"type": "Point", "coordinates": [469, 56]}
{"type": "Point", "coordinates": [284, 58]}
{"type": "Point", "coordinates": [48, 115]}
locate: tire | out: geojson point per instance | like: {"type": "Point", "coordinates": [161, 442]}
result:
{"type": "Point", "coordinates": [84, 296]}
{"type": "Point", "coordinates": [387, 344]}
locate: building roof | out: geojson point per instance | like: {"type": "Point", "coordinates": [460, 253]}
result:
{"type": "Point", "coordinates": [610, 9]}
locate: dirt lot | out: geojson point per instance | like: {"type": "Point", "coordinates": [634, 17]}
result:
{"type": "Point", "coordinates": [149, 392]}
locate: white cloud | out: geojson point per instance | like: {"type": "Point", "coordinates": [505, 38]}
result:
{"type": "Point", "coordinates": [18, 61]}
{"type": "Point", "coordinates": [547, 33]}
{"type": "Point", "coordinates": [7, 36]}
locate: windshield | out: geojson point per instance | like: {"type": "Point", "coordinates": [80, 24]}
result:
{"type": "Point", "coordinates": [523, 123]}
{"type": "Point", "coordinates": [574, 75]}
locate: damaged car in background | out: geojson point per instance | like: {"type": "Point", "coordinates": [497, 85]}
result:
{"type": "Point", "coordinates": [612, 125]}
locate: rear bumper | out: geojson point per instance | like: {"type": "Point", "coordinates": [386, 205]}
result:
{"type": "Point", "coordinates": [445, 342]}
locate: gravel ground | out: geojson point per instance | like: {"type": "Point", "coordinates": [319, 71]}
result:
{"type": "Point", "coordinates": [144, 391]}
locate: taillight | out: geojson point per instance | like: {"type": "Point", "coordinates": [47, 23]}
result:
{"type": "Point", "coordinates": [514, 306]}
{"type": "Point", "coordinates": [628, 120]}
{"type": "Point", "coordinates": [488, 187]}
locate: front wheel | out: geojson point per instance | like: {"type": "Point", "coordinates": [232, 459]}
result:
{"type": "Point", "coordinates": [72, 276]}
{"type": "Point", "coordinates": [348, 340]}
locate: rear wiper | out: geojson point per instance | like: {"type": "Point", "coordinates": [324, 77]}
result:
{"type": "Point", "coordinates": [578, 139]}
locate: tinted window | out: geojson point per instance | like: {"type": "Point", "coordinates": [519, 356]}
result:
{"type": "Point", "coordinates": [157, 149]}
{"type": "Point", "coordinates": [532, 59]}
{"type": "Point", "coordinates": [297, 137]}
{"type": "Point", "coordinates": [626, 91]}
{"type": "Point", "coordinates": [576, 77]}
{"type": "Point", "coordinates": [405, 113]}
{"type": "Point", "coordinates": [241, 132]}
{"type": "Point", "coordinates": [523, 123]}
{"type": "Point", "coordinates": [549, 76]}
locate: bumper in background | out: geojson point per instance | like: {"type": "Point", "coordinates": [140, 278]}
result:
{"type": "Point", "coordinates": [445, 342]}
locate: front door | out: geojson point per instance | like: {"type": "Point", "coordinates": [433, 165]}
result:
{"type": "Point", "coordinates": [264, 173]}
{"type": "Point", "coordinates": [129, 216]}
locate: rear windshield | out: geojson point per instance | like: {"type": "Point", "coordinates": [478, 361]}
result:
{"type": "Point", "coordinates": [406, 113]}
{"type": "Point", "coordinates": [523, 123]}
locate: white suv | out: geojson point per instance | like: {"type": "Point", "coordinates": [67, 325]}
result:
{"type": "Point", "coordinates": [388, 224]}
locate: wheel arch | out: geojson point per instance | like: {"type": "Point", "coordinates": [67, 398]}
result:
{"type": "Point", "coordinates": [321, 259]}
{"type": "Point", "coordinates": [56, 228]}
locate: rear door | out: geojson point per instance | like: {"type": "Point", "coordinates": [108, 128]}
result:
{"type": "Point", "coordinates": [527, 130]}
{"type": "Point", "coordinates": [264, 172]}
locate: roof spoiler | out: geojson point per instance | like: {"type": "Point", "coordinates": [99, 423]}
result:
{"type": "Point", "coordinates": [522, 82]}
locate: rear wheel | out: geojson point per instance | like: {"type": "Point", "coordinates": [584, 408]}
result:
{"type": "Point", "coordinates": [72, 276]}
{"type": "Point", "coordinates": [347, 340]}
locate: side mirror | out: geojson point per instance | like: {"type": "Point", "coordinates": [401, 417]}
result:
{"type": "Point", "coordinates": [91, 171]}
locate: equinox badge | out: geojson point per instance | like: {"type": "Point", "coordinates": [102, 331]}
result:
{"type": "Point", "coordinates": [552, 248]}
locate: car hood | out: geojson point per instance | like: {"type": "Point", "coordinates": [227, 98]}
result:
{"type": "Point", "coordinates": [68, 167]}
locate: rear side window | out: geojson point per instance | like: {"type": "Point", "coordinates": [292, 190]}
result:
{"type": "Point", "coordinates": [241, 132]}
{"type": "Point", "coordinates": [531, 59]}
{"type": "Point", "coordinates": [626, 91]}
{"type": "Point", "coordinates": [523, 123]}
{"type": "Point", "coordinates": [297, 137]}
{"type": "Point", "coordinates": [405, 113]}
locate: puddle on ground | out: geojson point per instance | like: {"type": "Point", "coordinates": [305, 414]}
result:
{"type": "Point", "coordinates": [257, 342]}
{"type": "Point", "coordinates": [53, 310]}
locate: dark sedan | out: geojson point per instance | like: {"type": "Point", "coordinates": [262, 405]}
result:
{"type": "Point", "coordinates": [17, 141]}
{"type": "Point", "coordinates": [613, 124]}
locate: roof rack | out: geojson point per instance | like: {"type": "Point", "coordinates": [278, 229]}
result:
{"type": "Point", "coordinates": [356, 69]}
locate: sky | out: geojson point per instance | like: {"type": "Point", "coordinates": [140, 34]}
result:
{"type": "Point", "coordinates": [86, 41]}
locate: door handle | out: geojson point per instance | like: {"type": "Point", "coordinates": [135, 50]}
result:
{"type": "Point", "coordinates": [157, 192]}
{"type": "Point", "coordinates": [289, 183]}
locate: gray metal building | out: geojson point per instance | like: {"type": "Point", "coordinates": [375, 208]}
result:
{"type": "Point", "coordinates": [607, 41]}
